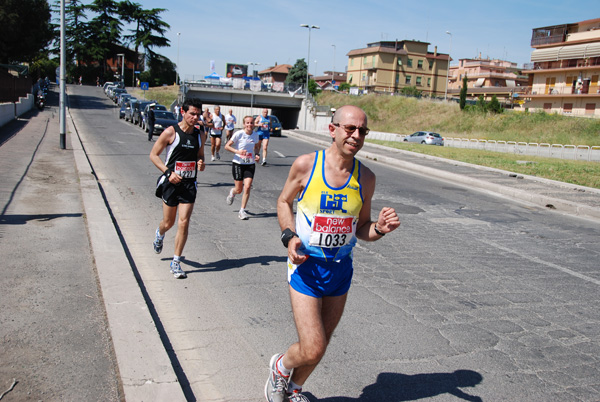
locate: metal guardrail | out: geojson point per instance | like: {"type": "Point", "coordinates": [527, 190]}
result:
{"type": "Point", "coordinates": [559, 151]}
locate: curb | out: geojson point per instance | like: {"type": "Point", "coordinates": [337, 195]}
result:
{"type": "Point", "coordinates": [145, 369]}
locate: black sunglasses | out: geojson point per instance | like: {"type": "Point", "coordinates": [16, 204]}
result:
{"type": "Point", "coordinates": [350, 129]}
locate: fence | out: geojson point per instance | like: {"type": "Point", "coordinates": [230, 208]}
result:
{"type": "Point", "coordinates": [573, 152]}
{"type": "Point", "coordinates": [560, 151]}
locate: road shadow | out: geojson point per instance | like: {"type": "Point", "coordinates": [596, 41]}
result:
{"type": "Point", "coordinates": [23, 219]}
{"type": "Point", "coordinates": [227, 264]}
{"type": "Point", "coordinates": [396, 387]}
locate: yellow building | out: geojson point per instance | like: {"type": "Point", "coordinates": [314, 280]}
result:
{"type": "Point", "coordinates": [566, 67]}
{"type": "Point", "coordinates": [389, 66]}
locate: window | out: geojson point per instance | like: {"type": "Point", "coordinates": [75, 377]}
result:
{"type": "Point", "coordinates": [397, 79]}
{"type": "Point", "coordinates": [419, 81]}
{"type": "Point", "coordinates": [590, 108]}
{"type": "Point", "coordinates": [351, 62]}
{"type": "Point", "coordinates": [365, 59]}
{"type": "Point", "coordinates": [568, 108]}
{"type": "Point", "coordinates": [547, 107]}
{"type": "Point", "coordinates": [409, 62]}
{"type": "Point", "coordinates": [350, 79]}
{"type": "Point", "coordinates": [420, 64]}
{"type": "Point", "coordinates": [430, 64]}
{"type": "Point", "coordinates": [399, 61]}
{"type": "Point", "coordinates": [407, 80]}
{"type": "Point", "coordinates": [428, 82]}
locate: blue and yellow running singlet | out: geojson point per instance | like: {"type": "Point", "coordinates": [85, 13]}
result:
{"type": "Point", "coordinates": [326, 217]}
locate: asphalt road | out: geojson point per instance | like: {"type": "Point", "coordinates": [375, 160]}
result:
{"type": "Point", "coordinates": [474, 297]}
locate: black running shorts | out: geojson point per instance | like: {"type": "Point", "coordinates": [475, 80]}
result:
{"type": "Point", "coordinates": [240, 172]}
{"type": "Point", "coordinates": [183, 193]}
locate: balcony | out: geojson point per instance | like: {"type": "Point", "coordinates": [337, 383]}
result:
{"type": "Point", "coordinates": [561, 90]}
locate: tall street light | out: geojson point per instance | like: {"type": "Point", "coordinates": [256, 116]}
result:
{"type": "Point", "coordinates": [310, 27]}
{"type": "Point", "coordinates": [448, 68]}
{"type": "Point", "coordinates": [253, 64]}
{"type": "Point", "coordinates": [333, 71]}
{"type": "Point", "coordinates": [177, 71]}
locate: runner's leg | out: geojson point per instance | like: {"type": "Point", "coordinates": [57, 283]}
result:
{"type": "Point", "coordinates": [315, 319]}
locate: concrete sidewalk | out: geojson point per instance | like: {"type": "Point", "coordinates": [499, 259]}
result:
{"type": "Point", "coordinates": [74, 321]}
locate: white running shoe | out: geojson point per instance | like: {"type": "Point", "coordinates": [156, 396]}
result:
{"type": "Point", "coordinates": [212, 158]}
{"type": "Point", "coordinates": [243, 215]}
{"type": "Point", "coordinates": [177, 271]}
{"type": "Point", "coordinates": [276, 386]}
{"type": "Point", "coordinates": [264, 162]}
{"type": "Point", "coordinates": [230, 197]}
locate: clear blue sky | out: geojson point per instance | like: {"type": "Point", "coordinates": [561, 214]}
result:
{"type": "Point", "coordinates": [269, 32]}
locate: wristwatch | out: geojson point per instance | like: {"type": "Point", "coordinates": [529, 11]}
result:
{"type": "Point", "coordinates": [167, 173]}
{"type": "Point", "coordinates": [287, 235]}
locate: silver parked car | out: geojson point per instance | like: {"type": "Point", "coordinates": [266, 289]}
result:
{"type": "Point", "coordinates": [425, 137]}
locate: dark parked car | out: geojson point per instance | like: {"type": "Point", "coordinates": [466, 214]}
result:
{"type": "Point", "coordinates": [137, 111]}
{"type": "Point", "coordinates": [275, 125]}
{"type": "Point", "coordinates": [145, 114]}
{"type": "Point", "coordinates": [164, 119]}
{"type": "Point", "coordinates": [425, 137]}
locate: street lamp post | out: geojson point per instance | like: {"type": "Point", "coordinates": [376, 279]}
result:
{"type": "Point", "coordinates": [310, 27]}
{"type": "Point", "coordinates": [333, 71]}
{"type": "Point", "coordinates": [253, 64]}
{"type": "Point", "coordinates": [122, 56]}
{"type": "Point", "coordinates": [177, 71]}
{"type": "Point", "coordinates": [448, 68]}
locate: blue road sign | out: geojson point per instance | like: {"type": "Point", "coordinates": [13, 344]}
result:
{"type": "Point", "coordinates": [144, 86]}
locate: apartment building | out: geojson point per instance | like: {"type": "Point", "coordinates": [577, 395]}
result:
{"type": "Point", "coordinates": [389, 66]}
{"type": "Point", "coordinates": [486, 77]}
{"type": "Point", "coordinates": [566, 67]}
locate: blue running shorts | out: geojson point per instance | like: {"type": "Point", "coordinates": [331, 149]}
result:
{"type": "Point", "coordinates": [319, 278]}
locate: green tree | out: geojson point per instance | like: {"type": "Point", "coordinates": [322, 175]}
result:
{"type": "Point", "coordinates": [343, 87]}
{"type": "Point", "coordinates": [313, 88]}
{"type": "Point", "coordinates": [463, 93]}
{"type": "Point", "coordinates": [25, 30]}
{"type": "Point", "coordinates": [297, 74]}
{"type": "Point", "coordinates": [411, 91]}
{"type": "Point", "coordinates": [149, 28]}
{"type": "Point", "coordinates": [481, 104]}
{"type": "Point", "coordinates": [495, 106]}
{"type": "Point", "coordinates": [103, 31]}
{"type": "Point", "coordinates": [161, 71]}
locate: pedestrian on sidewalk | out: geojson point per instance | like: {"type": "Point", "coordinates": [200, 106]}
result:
{"type": "Point", "coordinates": [244, 144]}
{"type": "Point", "coordinates": [184, 144]}
{"type": "Point", "coordinates": [334, 194]}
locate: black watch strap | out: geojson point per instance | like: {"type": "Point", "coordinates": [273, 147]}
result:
{"type": "Point", "coordinates": [168, 173]}
{"type": "Point", "coordinates": [287, 235]}
{"type": "Point", "coordinates": [380, 233]}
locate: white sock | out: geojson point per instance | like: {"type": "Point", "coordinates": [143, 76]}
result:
{"type": "Point", "coordinates": [158, 236]}
{"type": "Point", "coordinates": [292, 386]}
{"type": "Point", "coordinates": [176, 258]}
{"type": "Point", "coordinates": [281, 368]}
